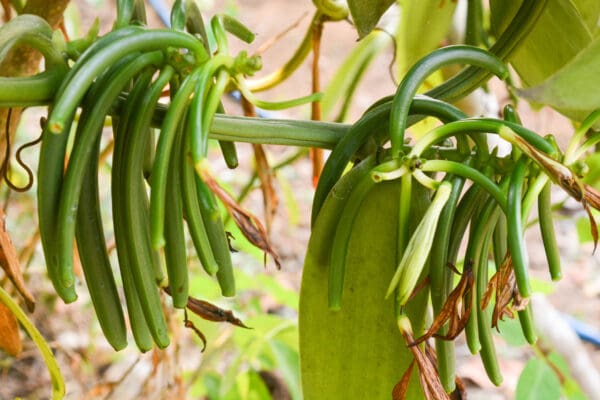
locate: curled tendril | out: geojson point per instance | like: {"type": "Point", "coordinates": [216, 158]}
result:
{"type": "Point", "coordinates": [6, 163]}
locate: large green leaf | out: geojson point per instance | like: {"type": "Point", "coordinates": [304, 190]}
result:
{"type": "Point", "coordinates": [559, 35]}
{"type": "Point", "coordinates": [559, 61]}
{"type": "Point", "coordinates": [574, 88]}
{"type": "Point", "coordinates": [424, 25]}
{"type": "Point", "coordinates": [537, 382]}
{"type": "Point", "coordinates": [589, 10]}
{"type": "Point", "coordinates": [357, 352]}
{"type": "Point", "coordinates": [366, 14]}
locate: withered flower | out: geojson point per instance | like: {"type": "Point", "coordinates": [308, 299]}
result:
{"type": "Point", "coordinates": [561, 175]}
{"type": "Point", "coordinates": [507, 297]}
{"type": "Point", "coordinates": [209, 312]}
{"type": "Point", "coordinates": [248, 223]}
{"type": "Point", "coordinates": [456, 309]}
{"type": "Point", "coordinates": [428, 375]}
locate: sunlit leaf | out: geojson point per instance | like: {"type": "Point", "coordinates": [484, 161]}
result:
{"type": "Point", "coordinates": [537, 382]}
{"type": "Point", "coordinates": [560, 56]}
{"type": "Point", "coordinates": [424, 25]}
{"type": "Point", "coordinates": [569, 88]}
{"type": "Point", "coordinates": [366, 14]}
{"type": "Point", "coordinates": [559, 35]}
{"type": "Point", "coordinates": [589, 10]}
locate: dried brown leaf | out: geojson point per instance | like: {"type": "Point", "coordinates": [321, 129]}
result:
{"type": "Point", "coordinates": [428, 375]}
{"type": "Point", "coordinates": [266, 176]}
{"type": "Point", "coordinates": [9, 262]}
{"type": "Point", "coordinates": [593, 225]}
{"type": "Point", "coordinates": [567, 180]}
{"type": "Point", "coordinates": [399, 392]}
{"type": "Point", "coordinates": [7, 10]}
{"type": "Point", "coordinates": [503, 286]}
{"type": "Point", "coordinates": [265, 173]}
{"type": "Point", "coordinates": [249, 224]}
{"type": "Point", "coordinates": [591, 196]}
{"type": "Point", "coordinates": [10, 339]}
{"type": "Point", "coordinates": [460, 393]}
{"type": "Point", "coordinates": [456, 310]}
{"type": "Point", "coordinates": [189, 324]}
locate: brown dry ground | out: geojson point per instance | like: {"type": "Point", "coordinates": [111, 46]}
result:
{"type": "Point", "coordinates": [92, 370]}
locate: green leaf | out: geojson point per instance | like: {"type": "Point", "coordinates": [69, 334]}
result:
{"type": "Point", "coordinates": [288, 363]}
{"type": "Point", "coordinates": [366, 14]}
{"type": "Point", "coordinates": [268, 285]}
{"type": "Point", "coordinates": [590, 11]}
{"type": "Point", "coordinates": [344, 82]}
{"type": "Point", "coordinates": [511, 332]}
{"type": "Point", "coordinates": [560, 58]}
{"type": "Point", "coordinates": [570, 89]}
{"type": "Point", "coordinates": [537, 382]}
{"type": "Point", "coordinates": [424, 25]}
{"type": "Point", "coordinates": [357, 352]}
{"type": "Point", "coordinates": [584, 229]}
{"type": "Point", "coordinates": [593, 176]}
{"type": "Point", "coordinates": [254, 387]}
{"type": "Point", "coordinates": [559, 35]}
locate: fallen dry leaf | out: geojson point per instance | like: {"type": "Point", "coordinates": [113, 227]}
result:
{"type": "Point", "coordinates": [9, 262]}
{"type": "Point", "coordinates": [10, 339]}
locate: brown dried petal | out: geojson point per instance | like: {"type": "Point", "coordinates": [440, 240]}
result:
{"type": "Point", "coordinates": [456, 309]}
{"type": "Point", "coordinates": [189, 324]}
{"type": "Point", "coordinates": [210, 312]}
{"type": "Point", "coordinates": [428, 375]}
{"type": "Point", "coordinates": [591, 196]}
{"type": "Point", "coordinates": [593, 225]}
{"type": "Point", "coordinates": [250, 226]}
{"type": "Point", "coordinates": [503, 286]}
{"type": "Point", "coordinates": [10, 264]}
{"type": "Point", "coordinates": [399, 392]}
{"type": "Point", "coordinates": [266, 176]}
{"type": "Point", "coordinates": [10, 340]}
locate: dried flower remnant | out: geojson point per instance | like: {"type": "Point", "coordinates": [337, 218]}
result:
{"type": "Point", "coordinates": [399, 391]}
{"type": "Point", "coordinates": [460, 392]}
{"type": "Point", "coordinates": [9, 262]}
{"type": "Point", "coordinates": [248, 223]}
{"type": "Point", "coordinates": [209, 312]}
{"type": "Point", "coordinates": [456, 309]}
{"type": "Point", "coordinates": [507, 297]}
{"type": "Point", "coordinates": [561, 175]}
{"type": "Point", "coordinates": [428, 375]}
{"type": "Point", "coordinates": [189, 324]}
